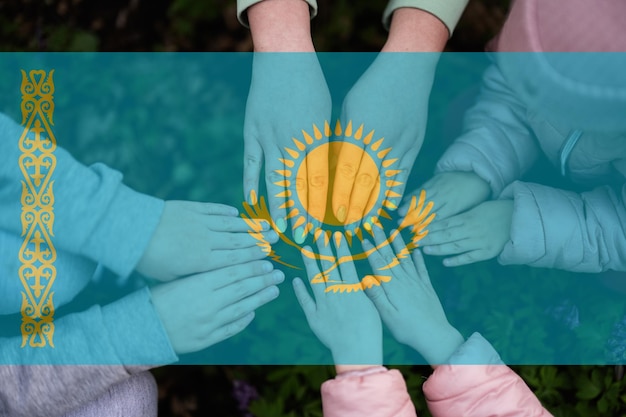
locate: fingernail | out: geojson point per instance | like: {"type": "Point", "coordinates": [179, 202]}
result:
{"type": "Point", "coordinates": [267, 266]}
{"type": "Point", "coordinates": [281, 225]}
{"type": "Point", "coordinates": [265, 225]}
{"type": "Point", "coordinates": [234, 211]}
{"type": "Point", "coordinates": [426, 249]}
{"type": "Point", "coordinates": [273, 291]}
{"type": "Point", "coordinates": [298, 235]}
{"type": "Point", "coordinates": [278, 276]}
{"type": "Point", "coordinates": [367, 226]}
{"type": "Point", "coordinates": [252, 200]}
{"type": "Point", "coordinates": [272, 236]}
{"type": "Point", "coordinates": [341, 213]}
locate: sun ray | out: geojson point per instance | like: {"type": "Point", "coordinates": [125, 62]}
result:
{"type": "Point", "coordinates": [392, 183]}
{"type": "Point", "coordinates": [317, 234]}
{"type": "Point", "coordinates": [387, 163]}
{"type": "Point", "coordinates": [287, 204]}
{"type": "Point", "coordinates": [283, 183]}
{"type": "Point", "coordinates": [307, 228]}
{"type": "Point", "coordinates": [337, 237]}
{"type": "Point", "coordinates": [389, 204]}
{"type": "Point", "coordinates": [338, 128]}
{"type": "Point", "coordinates": [327, 131]}
{"type": "Point", "coordinates": [284, 172]}
{"type": "Point", "coordinates": [288, 162]}
{"type": "Point", "coordinates": [348, 131]}
{"type": "Point", "coordinates": [316, 132]}
{"type": "Point", "coordinates": [377, 144]}
{"type": "Point", "coordinates": [383, 153]}
{"type": "Point", "coordinates": [368, 138]}
{"type": "Point", "coordinates": [359, 133]}
{"type": "Point", "coordinates": [392, 172]}
{"type": "Point", "coordinates": [349, 237]}
{"type": "Point", "coordinates": [301, 220]}
{"type": "Point", "coordinates": [286, 193]}
{"type": "Point", "coordinates": [358, 233]}
{"type": "Point", "coordinates": [307, 138]}
{"type": "Point", "coordinates": [301, 146]}
{"type": "Point", "coordinates": [292, 153]}
{"type": "Point", "coordinates": [391, 193]}
{"type": "Point", "coordinates": [326, 237]}
{"type": "Point", "coordinates": [293, 213]}
{"type": "Point", "coordinates": [383, 213]}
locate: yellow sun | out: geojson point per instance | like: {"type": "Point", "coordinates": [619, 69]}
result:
{"type": "Point", "coordinates": [360, 147]}
{"type": "Point", "coordinates": [293, 185]}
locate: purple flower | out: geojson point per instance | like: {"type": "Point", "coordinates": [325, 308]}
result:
{"type": "Point", "coordinates": [244, 394]}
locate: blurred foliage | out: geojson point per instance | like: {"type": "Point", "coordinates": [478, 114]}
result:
{"type": "Point", "coordinates": [206, 25]}
{"type": "Point", "coordinates": [170, 159]}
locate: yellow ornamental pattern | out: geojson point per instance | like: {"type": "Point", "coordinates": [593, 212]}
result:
{"type": "Point", "coordinates": [37, 253]}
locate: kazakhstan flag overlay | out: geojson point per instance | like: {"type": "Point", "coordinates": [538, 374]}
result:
{"type": "Point", "coordinates": [329, 189]}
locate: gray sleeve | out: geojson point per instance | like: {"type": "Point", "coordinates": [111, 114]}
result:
{"type": "Point", "coordinates": [109, 344]}
{"type": "Point", "coordinates": [243, 5]}
{"type": "Point", "coordinates": [554, 228]}
{"type": "Point", "coordinates": [496, 144]}
{"type": "Point", "coordinates": [95, 214]}
{"type": "Point", "coordinates": [448, 11]}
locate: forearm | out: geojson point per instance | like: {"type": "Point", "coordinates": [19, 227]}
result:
{"type": "Point", "coordinates": [281, 26]}
{"type": "Point", "coordinates": [415, 30]}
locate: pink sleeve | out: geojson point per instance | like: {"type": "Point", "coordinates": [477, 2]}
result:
{"type": "Point", "coordinates": [381, 393]}
{"type": "Point", "coordinates": [480, 390]}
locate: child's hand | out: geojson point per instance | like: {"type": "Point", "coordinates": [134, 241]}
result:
{"type": "Point", "coordinates": [204, 309]}
{"type": "Point", "coordinates": [197, 237]}
{"type": "Point", "coordinates": [452, 193]}
{"type": "Point", "coordinates": [408, 303]}
{"type": "Point", "coordinates": [477, 235]}
{"type": "Point", "coordinates": [346, 323]}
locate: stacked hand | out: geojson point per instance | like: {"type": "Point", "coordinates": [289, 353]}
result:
{"type": "Point", "coordinates": [392, 98]}
{"type": "Point", "coordinates": [288, 95]}
{"type": "Point", "coordinates": [347, 324]}
{"type": "Point", "coordinates": [204, 309]}
{"type": "Point", "coordinates": [198, 237]}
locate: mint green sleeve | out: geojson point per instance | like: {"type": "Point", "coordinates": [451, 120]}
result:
{"type": "Point", "coordinates": [242, 6]}
{"type": "Point", "coordinates": [448, 11]}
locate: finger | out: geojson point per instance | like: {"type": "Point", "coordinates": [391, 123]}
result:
{"type": "Point", "coordinates": [244, 307]}
{"type": "Point", "coordinates": [277, 187]}
{"type": "Point", "coordinates": [252, 161]}
{"type": "Point", "coordinates": [346, 264]}
{"type": "Point", "coordinates": [375, 259]}
{"type": "Point", "coordinates": [317, 183]}
{"type": "Point", "coordinates": [301, 189]}
{"type": "Point", "coordinates": [240, 240]}
{"type": "Point", "coordinates": [441, 237]}
{"type": "Point", "coordinates": [328, 260]}
{"type": "Point", "coordinates": [229, 257]}
{"type": "Point", "coordinates": [366, 180]}
{"type": "Point", "coordinates": [396, 177]}
{"type": "Point", "coordinates": [383, 245]}
{"type": "Point", "coordinates": [209, 208]}
{"type": "Point", "coordinates": [420, 267]}
{"type": "Point", "coordinates": [241, 289]}
{"type": "Point", "coordinates": [402, 252]}
{"type": "Point", "coordinates": [229, 330]}
{"type": "Point", "coordinates": [431, 192]}
{"type": "Point", "coordinates": [225, 276]}
{"type": "Point", "coordinates": [446, 224]}
{"type": "Point", "coordinates": [313, 273]}
{"type": "Point", "coordinates": [304, 299]}
{"type": "Point", "coordinates": [451, 248]}
{"type": "Point", "coordinates": [466, 258]}
{"type": "Point", "coordinates": [348, 163]}
{"type": "Point", "coordinates": [232, 224]}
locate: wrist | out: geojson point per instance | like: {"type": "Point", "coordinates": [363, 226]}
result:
{"type": "Point", "coordinates": [415, 30]}
{"type": "Point", "coordinates": [281, 26]}
{"type": "Point", "coordinates": [364, 356]}
{"type": "Point", "coordinates": [440, 344]}
{"type": "Point", "coordinates": [343, 369]}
